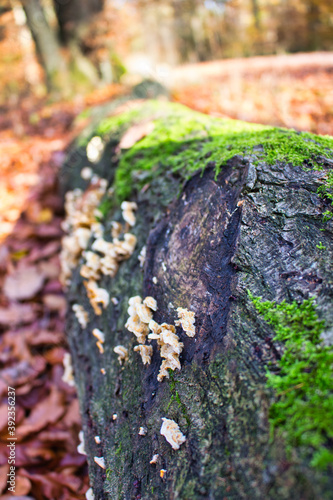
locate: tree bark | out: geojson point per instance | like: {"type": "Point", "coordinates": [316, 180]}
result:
{"type": "Point", "coordinates": [72, 14]}
{"type": "Point", "coordinates": [47, 46]}
{"type": "Point", "coordinates": [254, 226]}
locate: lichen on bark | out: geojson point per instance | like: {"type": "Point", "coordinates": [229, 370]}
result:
{"type": "Point", "coordinates": [223, 207]}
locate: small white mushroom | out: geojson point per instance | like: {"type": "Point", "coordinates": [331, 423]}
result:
{"type": "Point", "coordinates": [86, 173]}
{"type": "Point", "coordinates": [90, 494]}
{"type": "Point", "coordinates": [97, 439]}
{"type": "Point", "coordinates": [114, 416]}
{"type": "Point", "coordinates": [80, 447]}
{"type": "Point", "coordinates": [143, 431]}
{"type": "Point", "coordinates": [154, 459]}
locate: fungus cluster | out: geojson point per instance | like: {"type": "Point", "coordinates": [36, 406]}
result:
{"type": "Point", "coordinates": [80, 216]}
{"type": "Point", "coordinates": [170, 347]}
{"type": "Point", "coordinates": [84, 230]}
{"type": "Point", "coordinates": [140, 322]}
{"type": "Point", "coordinates": [97, 296]}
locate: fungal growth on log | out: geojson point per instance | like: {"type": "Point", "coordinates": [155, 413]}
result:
{"type": "Point", "coordinates": [199, 257]}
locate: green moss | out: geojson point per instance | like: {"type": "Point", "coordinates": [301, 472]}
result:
{"type": "Point", "coordinates": [304, 408]}
{"type": "Point", "coordinates": [175, 397]}
{"type": "Point", "coordinates": [183, 141]}
{"type": "Point", "coordinates": [326, 191]}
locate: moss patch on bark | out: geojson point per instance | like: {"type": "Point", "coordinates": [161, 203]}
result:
{"type": "Point", "coordinates": [304, 408]}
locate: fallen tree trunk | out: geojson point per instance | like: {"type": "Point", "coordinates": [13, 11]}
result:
{"type": "Point", "coordinates": [224, 209]}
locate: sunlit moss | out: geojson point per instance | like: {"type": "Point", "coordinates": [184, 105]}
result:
{"type": "Point", "coordinates": [184, 141]}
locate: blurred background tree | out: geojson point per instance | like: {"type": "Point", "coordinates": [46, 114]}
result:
{"type": "Point", "coordinates": [90, 42]}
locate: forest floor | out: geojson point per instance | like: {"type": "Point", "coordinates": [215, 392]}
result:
{"type": "Point", "coordinates": [292, 91]}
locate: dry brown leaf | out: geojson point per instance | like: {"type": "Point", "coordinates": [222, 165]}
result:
{"type": "Point", "coordinates": [24, 283]}
{"type": "Point", "coordinates": [47, 411]}
{"type": "Point", "coordinates": [44, 337]}
{"type": "Point", "coordinates": [55, 303]}
{"type": "Point", "coordinates": [43, 251]}
{"type": "Point", "coordinates": [19, 414]}
{"type": "Point", "coordinates": [17, 314]}
{"type": "Point", "coordinates": [50, 268]}
{"type": "Point", "coordinates": [3, 477]}
{"type": "Point", "coordinates": [135, 133]}
{"type": "Point", "coordinates": [22, 485]}
{"type": "Point", "coordinates": [21, 373]}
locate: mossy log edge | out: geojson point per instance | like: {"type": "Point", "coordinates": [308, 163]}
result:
{"type": "Point", "coordinates": [229, 227]}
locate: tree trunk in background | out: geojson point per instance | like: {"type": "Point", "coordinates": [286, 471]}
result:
{"type": "Point", "coordinates": [254, 226]}
{"type": "Point", "coordinates": [47, 45]}
{"type": "Point", "coordinates": [73, 14]}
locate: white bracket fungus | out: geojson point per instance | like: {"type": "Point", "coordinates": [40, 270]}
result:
{"type": "Point", "coordinates": [97, 439]}
{"type": "Point", "coordinates": [170, 430]}
{"type": "Point", "coordinates": [90, 494]}
{"type": "Point", "coordinates": [100, 339]}
{"type": "Point", "coordinates": [97, 296]}
{"type": "Point", "coordinates": [186, 320]}
{"type": "Point", "coordinates": [154, 459]}
{"type": "Point", "coordinates": [80, 447]}
{"type": "Point", "coordinates": [146, 352]}
{"type": "Point", "coordinates": [128, 209]}
{"type": "Point", "coordinates": [86, 173]}
{"type": "Point", "coordinates": [139, 317]}
{"type": "Point", "coordinates": [81, 315]}
{"type": "Point", "coordinates": [94, 149]}
{"type": "Point", "coordinates": [142, 256]}
{"type": "Point", "coordinates": [122, 353]}
{"type": "Point", "coordinates": [68, 377]}
{"type": "Point", "coordinates": [100, 461]}
{"type": "Point", "coordinates": [170, 347]}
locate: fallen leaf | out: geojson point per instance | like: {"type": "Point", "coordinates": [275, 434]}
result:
{"type": "Point", "coordinates": [55, 303]}
{"type": "Point", "coordinates": [22, 485]}
{"type": "Point", "coordinates": [3, 477]}
{"type": "Point", "coordinates": [24, 283]}
{"type": "Point", "coordinates": [17, 314]}
{"type": "Point", "coordinates": [47, 411]}
{"type": "Point", "coordinates": [134, 134]}
{"type": "Point", "coordinates": [44, 251]}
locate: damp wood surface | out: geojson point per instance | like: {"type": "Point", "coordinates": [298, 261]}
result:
{"type": "Point", "coordinates": [211, 235]}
